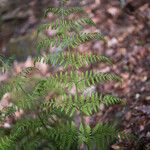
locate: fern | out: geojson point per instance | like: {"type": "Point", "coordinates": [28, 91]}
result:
{"type": "Point", "coordinates": [5, 63]}
{"type": "Point", "coordinates": [49, 106]}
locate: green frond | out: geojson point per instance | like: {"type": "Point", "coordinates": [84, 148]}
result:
{"type": "Point", "coordinates": [27, 129]}
{"type": "Point", "coordinates": [40, 86]}
{"type": "Point", "coordinates": [32, 144]}
{"type": "Point", "coordinates": [48, 84]}
{"type": "Point", "coordinates": [6, 142]}
{"type": "Point", "coordinates": [103, 134]}
{"type": "Point", "coordinates": [42, 27]}
{"type": "Point", "coordinates": [63, 11]}
{"type": "Point", "coordinates": [69, 41]}
{"type": "Point", "coordinates": [64, 77]}
{"type": "Point", "coordinates": [17, 87]}
{"type": "Point", "coordinates": [3, 88]}
{"type": "Point", "coordinates": [90, 103]}
{"type": "Point", "coordinates": [90, 78]}
{"type": "Point", "coordinates": [65, 103]}
{"type": "Point", "coordinates": [26, 124]}
{"type": "Point", "coordinates": [68, 134]}
{"type": "Point", "coordinates": [84, 136]}
{"type": "Point", "coordinates": [65, 25]}
{"type": "Point", "coordinates": [65, 135]}
{"type": "Point", "coordinates": [87, 104]}
{"type": "Point", "coordinates": [48, 108]}
{"type": "Point", "coordinates": [11, 85]}
{"type": "Point", "coordinates": [7, 111]}
{"type": "Point", "coordinates": [17, 81]}
{"type": "Point", "coordinates": [21, 92]}
{"type": "Point", "coordinates": [68, 79]}
{"type": "Point", "coordinates": [75, 60]}
{"type": "Point", "coordinates": [110, 100]}
{"type": "Point", "coordinates": [5, 63]}
{"type": "Point", "coordinates": [29, 92]}
{"type": "Point", "coordinates": [25, 101]}
{"type": "Point", "coordinates": [27, 72]}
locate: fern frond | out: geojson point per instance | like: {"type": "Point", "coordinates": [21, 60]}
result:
{"type": "Point", "coordinates": [49, 108]}
{"type": "Point", "coordinates": [25, 101]}
{"type": "Point", "coordinates": [40, 90]}
{"type": "Point", "coordinates": [87, 104]}
{"type": "Point", "coordinates": [84, 136]}
{"type": "Point", "coordinates": [13, 84]}
{"type": "Point", "coordinates": [103, 134]}
{"type": "Point", "coordinates": [5, 63]}
{"type": "Point", "coordinates": [43, 86]}
{"type": "Point", "coordinates": [90, 78]}
{"type": "Point", "coordinates": [68, 134]}
{"type": "Point", "coordinates": [68, 79]}
{"type": "Point", "coordinates": [6, 112]}
{"type": "Point", "coordinates": [5, 142]}
{"type": "Point", "coordinates": [67, 41]}
{"type": "Point", "coordinates": [84, 79]}
{"type": "Point", "coordinates": [90, 103]}
{"type": "Point", "coordinates": [65, 103]}
{"type": "Point", "coordinates": [28, 72]}
{"type": "Point", "coordinates": [110, 100]}
{"type": "Point", "coordinates": [26, 124]}
{"type": "Point", "coordinates": [32, 144]}
{"type": "Point", "coordinates": [27, 129]}
{"type": "Point", "coordinates": [65, 25]}
{"type": "Point", "coordinates": [76, 60]}
{"type": "Point", "coordinates": [65, 135]}
{"type": "Point", "coordinates": [63, 11]}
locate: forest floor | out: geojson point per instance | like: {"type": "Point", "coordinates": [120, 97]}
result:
{"type": "Point", "coordinates": [128, 36]}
